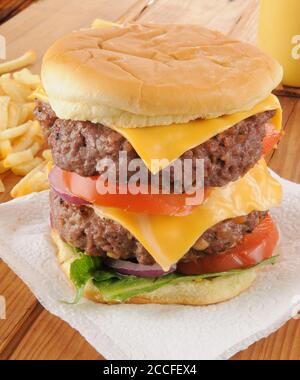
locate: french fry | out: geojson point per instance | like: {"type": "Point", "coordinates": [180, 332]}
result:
{"type": "Point", "coordinates": [99, 23]}
{"type": "Point", "coordinates": [2, 168]}
{"type": "Point", "coordinates": [38, 93]}
{"type": "Point", "coordinates": [26, 112]}
{"type": "Point", "coordinates": [39, 168]}
{"type": "Point", "coordinates": [15, 159]}
{"type": "Point", "coordinates": [34, 181]}
{"type": "Point", "coordinates": [21, 137]}
{"type": "Point", "coordinates": [4, 103]}
{"type": "Point", "coordinates": [47, 155]}
{"type": "Point", "coordinates": [17, 91]}
{"type": "Point", "coordinates": [25, 60]}
{"type": "Point", "coordinates": [27, 167]}
{"type": "Point", "coordinates": [26, 77]}
{"type": "Point", "coordinates": [39, 133]}
{"type": "Point", "coordinates": [5, 148]}
{"type": "Point", "coordinates": [13, 115]}
{"type": "Point", "coordinates": [2, 188]}
{"type": "Point", "coordinates": [12, 133]}
{"type": "Point", "coordinates": [23, 143]}
{"type": "Point", "coordinates": [27, 139]}
{"type": "Point", "coordinates": [35, 148]}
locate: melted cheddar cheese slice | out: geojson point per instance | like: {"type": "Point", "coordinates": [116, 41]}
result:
{"type": "Point", "coordinates": [168, 238]}
{"type": "Point", "coordinates": [169, 142]}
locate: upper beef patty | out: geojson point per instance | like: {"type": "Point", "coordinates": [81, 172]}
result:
{"type": "Point", "coordinates": [78, 146]}
{"type": "Point", "coordinates": [82, 228]}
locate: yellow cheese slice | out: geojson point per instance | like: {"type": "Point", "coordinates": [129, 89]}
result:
{"type": "Point", "coordinates": [168, 238]}
{"type": "Point", "coordinates": [167, 143]}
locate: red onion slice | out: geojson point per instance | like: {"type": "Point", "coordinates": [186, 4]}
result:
{"type": "Point", "coordinates": [138, 270]}
{"type": "Point", "coordinates": [57, 184]}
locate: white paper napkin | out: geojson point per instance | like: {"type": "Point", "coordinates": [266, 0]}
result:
{"type": "Point", "coordinates": [154, 331]}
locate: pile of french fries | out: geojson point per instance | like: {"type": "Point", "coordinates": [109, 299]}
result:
{"type": "Point", "coordinates": [21, 137]}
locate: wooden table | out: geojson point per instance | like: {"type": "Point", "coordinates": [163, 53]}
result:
{"type": "Point", "coordinates": [30, 332]}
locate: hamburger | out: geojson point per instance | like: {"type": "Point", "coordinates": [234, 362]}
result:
{"type": "Point", "coordinates": [160, 94]}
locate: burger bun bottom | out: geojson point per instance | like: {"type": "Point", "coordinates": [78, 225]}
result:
{"type": "Point", "coordinates": [202, 292]}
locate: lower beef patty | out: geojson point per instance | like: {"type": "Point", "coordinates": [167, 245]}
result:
{"type": "Point", "coordinates": [82, 228]}
{"type": "Point", "coordinates": [78, 146]}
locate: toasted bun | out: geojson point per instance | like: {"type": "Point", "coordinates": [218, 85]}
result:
{"type": "Point", "coordinates": [141, 75]}
{"type": "Point", "coordinates": [203, 292]}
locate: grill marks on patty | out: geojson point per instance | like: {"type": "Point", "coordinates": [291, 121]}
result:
{"type": "Point", "coordinates": [78, 146]}
{"type": "Point", "coordinates": [82, 228]}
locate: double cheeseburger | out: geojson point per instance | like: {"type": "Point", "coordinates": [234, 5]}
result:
{"type": "Point", "coordinates": [169, 93]}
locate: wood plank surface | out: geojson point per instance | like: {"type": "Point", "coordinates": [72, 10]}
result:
{"type": "Point", "coordinates": [21, 309]}
{"type": "Point", "coordinates": [31, 332]}
{"type": "Point", "coordinates": [9, 8]}
{"type": "Point", "coordinates": [282, 345]}
{"type": "Point", "coordinates": [216, 14]}
{"type": "Point", "coordinates": [51, 338]}
{"type": "Point", "coordinates": [44, 21]}
{"type": "Point", "coordinates": [285, 160]}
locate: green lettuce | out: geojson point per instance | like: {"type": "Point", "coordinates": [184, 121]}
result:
{"type": "Point", "coordinates": [82, 270]}
{"type": "Point", "coordinates": [116, 287]}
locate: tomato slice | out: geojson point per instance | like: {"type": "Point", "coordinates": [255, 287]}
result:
{"type": "Point", "coordinates": [271, 139]}
{"type": "Point", "coordinates": [254, 248]}
{"type": "Point", "coordinates": [154, 204]}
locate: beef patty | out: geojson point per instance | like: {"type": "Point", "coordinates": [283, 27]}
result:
{"type": "Point", "coordinates": [82, 228]}
{"type": "Point", "coordinates": [78, 146]}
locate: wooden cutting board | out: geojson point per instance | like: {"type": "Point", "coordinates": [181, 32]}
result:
{"type": "Point", "coordinates": [30, 332]}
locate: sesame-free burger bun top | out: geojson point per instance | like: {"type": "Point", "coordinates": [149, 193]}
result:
{"type": "Point", "coordinates": [145, 74]}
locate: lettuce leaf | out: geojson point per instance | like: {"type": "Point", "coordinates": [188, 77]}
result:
{"type": "Point", "coordinates": [119, 288]}
{"type": "Point", "coordinates": [82, 270]}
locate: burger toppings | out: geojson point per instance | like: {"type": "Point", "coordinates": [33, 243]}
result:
{"type": "Point", "coordinates": [129, 268]}
{"type": "Point", "coordinates": [57, 184]}
{"type": "Point", "coordinates": [79, 146]}
{"type": "Point", "coordinates": [120, 234]}
{"type": "Point", "coordinates": [225, 235]}
{"type": "Point", "coordinates": [82, 228]}
{"type": "Point", "coordinates": [83, 190]}
{"type": "Point", "coordinates": [271, 139]}
{"type": "Point", "coordinates": [254, 248]}
{"type": "Point", "coordinates": [115, 287]}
